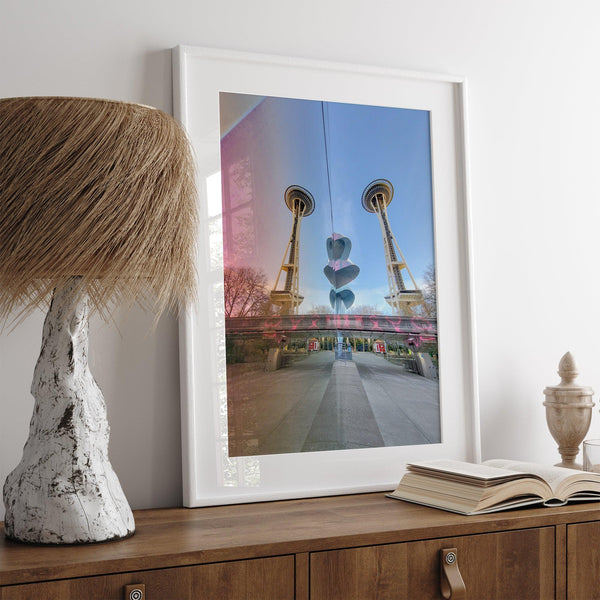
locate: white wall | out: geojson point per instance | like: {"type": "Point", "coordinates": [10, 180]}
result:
{"type": "Point", "coordinates": [534, 128]}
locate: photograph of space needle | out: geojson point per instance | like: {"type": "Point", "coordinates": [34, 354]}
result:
{"type": "Point", "coordinates": [329, 285]}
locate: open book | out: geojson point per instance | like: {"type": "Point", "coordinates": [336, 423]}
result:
{"type": "Point", "coordinates": [494, 485]}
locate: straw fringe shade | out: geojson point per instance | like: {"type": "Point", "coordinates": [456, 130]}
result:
{"type": "Point", "coordinates": [98, 189]}
{"type": "Point", "coordinates": [97, 201]}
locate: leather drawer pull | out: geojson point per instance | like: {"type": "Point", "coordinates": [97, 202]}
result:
{"type": "Point", "coordinates": [451, 581]}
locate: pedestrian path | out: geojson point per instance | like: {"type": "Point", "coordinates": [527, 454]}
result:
{"type": "Point", "coordinates": [345, 418]}
{"type": "Point", "coordinates": [320, 403]}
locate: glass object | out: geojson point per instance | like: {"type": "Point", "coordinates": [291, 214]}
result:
{"type": "Point", "coordinates": [591, 456]}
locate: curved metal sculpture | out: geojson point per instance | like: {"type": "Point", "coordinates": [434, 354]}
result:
{"type": "Point", "coordinates": [340, 271]}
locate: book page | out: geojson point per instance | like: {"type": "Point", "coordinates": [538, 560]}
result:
{"type": "Point", "coordinates": [456, 508]}
{"type": "Point", "coordinates": [481, 472]}
{"type": "Point", "coordinates": [556, 477]}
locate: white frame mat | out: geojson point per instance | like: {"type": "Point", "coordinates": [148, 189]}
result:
{"type": "Point", "coordinates": [210, 476]}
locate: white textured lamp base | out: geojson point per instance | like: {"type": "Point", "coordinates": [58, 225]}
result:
{"type": "Point", "coordinates": [64, 490]}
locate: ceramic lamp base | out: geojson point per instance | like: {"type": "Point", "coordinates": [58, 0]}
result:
{"type": "Point", "coordinates": [64, 490]}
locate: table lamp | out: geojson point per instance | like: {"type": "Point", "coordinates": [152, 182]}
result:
{"type": "Point", "coordinates": [97, 209]}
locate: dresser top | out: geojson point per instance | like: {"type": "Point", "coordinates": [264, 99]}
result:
{"type": "Point", "coordinates": [186, 536]}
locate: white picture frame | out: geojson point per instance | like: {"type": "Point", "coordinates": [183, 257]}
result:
{"type": "Point", "coordinates": [210, 477]}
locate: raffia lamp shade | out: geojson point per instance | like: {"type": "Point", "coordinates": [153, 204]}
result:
{"type": "Point", "coordinates": [99, 189]}
{"type": "Point", "coordinates": [97, 207]}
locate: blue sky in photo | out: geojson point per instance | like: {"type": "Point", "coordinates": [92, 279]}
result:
{"type": "Point", "coordinates": [364, 143]}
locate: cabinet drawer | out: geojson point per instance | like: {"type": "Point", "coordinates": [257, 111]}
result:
{"type": "Point", "coordinates": [257, 579]}
{"type": "Point", "coordinates": [513, 564]}
{"type": "Point", "coordinates": [583, 565]}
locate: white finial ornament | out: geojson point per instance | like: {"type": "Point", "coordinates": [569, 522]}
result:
{"type": "Point", "coordinates": [568, 411]}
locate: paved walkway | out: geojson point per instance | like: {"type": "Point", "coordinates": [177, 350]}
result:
{"type": "Point", "coordinates": [322, 404]}
{"type": "Point", "coordinates": [406, 406]}
{"type": "Point", "coordinates": [345, 418]}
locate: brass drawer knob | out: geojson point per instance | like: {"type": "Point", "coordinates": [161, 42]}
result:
{"type": "Point", "coordinates": [452, 585]}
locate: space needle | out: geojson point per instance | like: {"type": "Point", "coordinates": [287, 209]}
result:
{"type": "Point", "coordinates": [376, 198]}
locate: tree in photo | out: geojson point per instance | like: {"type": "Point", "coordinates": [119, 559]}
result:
{"type": "Point", "coordinates": [365, 309]}
{"type": "Point", "coordinates": [319, 309]}
{"type": "Point", "coordinates": [245, 291]}
{"type": "Point", "coordinates": [430, 292]}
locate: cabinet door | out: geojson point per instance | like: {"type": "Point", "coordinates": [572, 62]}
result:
{"type": "Point", "coordinates": [515, 564]}
{"type": "Point", "coordinates": [583, 561]}
{"type": "Point", "coordinates": [258, 579]}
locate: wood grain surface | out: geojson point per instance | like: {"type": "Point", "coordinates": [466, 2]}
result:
{"type": "Point", "coordinates": [181, 537]}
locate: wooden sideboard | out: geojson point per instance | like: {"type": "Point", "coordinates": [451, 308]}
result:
{"type": "Point", "coordinates": [343, 547]}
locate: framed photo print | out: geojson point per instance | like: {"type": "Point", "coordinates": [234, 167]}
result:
{"type": "Point", "coordinates": [332, 340]}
